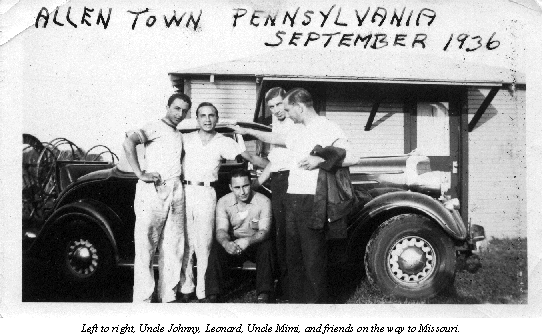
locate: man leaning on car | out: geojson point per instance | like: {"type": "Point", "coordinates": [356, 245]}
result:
{"type": "Point", "coordinates": [159, 202]}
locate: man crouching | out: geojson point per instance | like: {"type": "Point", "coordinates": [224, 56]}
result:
{"type": "Point", "coordinates": [243, 224]}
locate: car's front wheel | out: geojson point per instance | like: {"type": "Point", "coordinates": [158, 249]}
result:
{"type": "Point", "coordinates": [83, 255]}
{"type": "Point", "coordinates": [409, 256]}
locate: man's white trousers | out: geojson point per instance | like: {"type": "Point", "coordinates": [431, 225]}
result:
{"type": "Point", "coordinates": [159, 223]}
{"type": "Point", "coordinates": [200, 224]}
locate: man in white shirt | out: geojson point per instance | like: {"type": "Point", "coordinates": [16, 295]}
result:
{"type": "Point", "coordinates": [159, 202]}
{"type": "Point", "coordinates": [278, 169]}
{"type": "Point", "coordinates": [305, 247]}
{"type": "Point", "coordinates": [204, 151]}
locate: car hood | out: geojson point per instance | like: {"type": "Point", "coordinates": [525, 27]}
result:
{"type": "Point", "coordinates": [114, 172]}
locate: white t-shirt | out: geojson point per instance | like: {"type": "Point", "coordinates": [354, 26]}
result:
{"type": "Point", "coordinates": [301, 140]}
{"type": "Point", "coordinates": [280, 157]}
{"type": "Point", "coordinates": [163, 148]}
{"type": "Point", "coordinates": [202, 162]}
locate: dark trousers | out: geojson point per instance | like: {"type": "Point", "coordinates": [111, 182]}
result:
{"type": "Point", "coordinates": [279, 186]}
{"type": "Point", "coordinates": [306, 252]}
{"type": "Point", "coordinates": [220, 263]}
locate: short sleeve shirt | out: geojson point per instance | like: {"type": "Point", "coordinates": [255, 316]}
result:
{"type": "Point", "coordinates": [202, 162]}
{"type": "Point", "coordinates": [163, 148]}
{"type": "Point", "coordinates": [244, 223]}
{"type": "Point", "coordinates": [301, 140]}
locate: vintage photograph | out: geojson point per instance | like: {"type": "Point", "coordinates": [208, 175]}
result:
{"type": "Point", "coordinates": [278, 153]}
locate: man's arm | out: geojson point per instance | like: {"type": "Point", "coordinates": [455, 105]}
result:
{"type": "Point", "coordinates": [349, 159]}
{"type": "Point", "coordinates": [254, 159]}
{"type": "Point", "coordinates": [222, 227]}
{"type": "Point", "coordinates": [267, 137]}
{"type": "Point", "coordinates": [266, 173]}
{"type": "Point", "coordinates": [264, 227]}
{"type": "Point", "coordinates": [129, 145]}
{"type": "Point", "coordinates": [313, 162]}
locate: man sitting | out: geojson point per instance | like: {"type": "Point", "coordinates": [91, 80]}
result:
{"type": "Point", "coordinates": [243, 224]}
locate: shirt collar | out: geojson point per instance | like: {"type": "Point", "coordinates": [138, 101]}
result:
{"type": "Point", "coordinates": [234, 201]}
{"type": "Point", "coordinates": [168, 124]}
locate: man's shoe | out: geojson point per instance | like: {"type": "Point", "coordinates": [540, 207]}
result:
{"type": "Point", "coordinates": [263, 298]}
{"type": "Point", "coordinates": [213, 299]}
{"type": "Point", "coordinates": [184, 297]}
{"type": "Point", "coordinates": [282, 300]}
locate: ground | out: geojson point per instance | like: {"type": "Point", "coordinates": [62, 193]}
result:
{"type": "Point", "coordinates": [501, 280]}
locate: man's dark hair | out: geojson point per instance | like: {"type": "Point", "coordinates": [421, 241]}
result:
{"type": "Point", "coordinates": [181, 96]}
{"type": "Point", "coordinates": [206, 104]}
{"type": "Point", "coordinates": [275, 92]}
{"type": "Point", "coordinates": [299, 95]}
{"type": "Point", "coordinates": [240, 172]}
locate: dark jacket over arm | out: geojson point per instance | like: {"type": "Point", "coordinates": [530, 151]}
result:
{"type": "Point", "coordinates": [334, 198]}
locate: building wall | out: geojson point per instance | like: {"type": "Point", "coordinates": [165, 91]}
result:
{"type": "Point", "coordinates": [387, 134]}
{"type": "Point", "coordinates": [234, 98]}
{"type": "Point", "coordinates": [496, 145]}
{"type": "Point", "coordinates": [497, 164]}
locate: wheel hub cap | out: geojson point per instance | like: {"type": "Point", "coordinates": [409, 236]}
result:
{"type": "Point", "coordinates": [82, 257]}
{"type": "Point", "coordinates": [411, 260]}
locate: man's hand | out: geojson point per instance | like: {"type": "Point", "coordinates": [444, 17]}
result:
{"type": "Point", "coordinates": [310, 162]}
{"type": "Point", "coordinates": [151, 177]}
{"type": "Point", "coordinates": [243, 243]}
{"type": "Point", "coordinates": [237, 129]}
{"type": "Point", "coordinates": [232, 248]}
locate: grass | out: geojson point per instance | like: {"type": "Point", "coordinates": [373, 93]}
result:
{"type": "Point", "coordinates": [501, 280]}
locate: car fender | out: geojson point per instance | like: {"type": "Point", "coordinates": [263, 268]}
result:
{"type": "Point", "coordinates": [98, 214]}
{"type": "Point", "coordinates": [366, 220]}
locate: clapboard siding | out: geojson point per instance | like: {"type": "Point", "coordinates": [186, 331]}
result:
{"type": "Point", "coordinates": [497, 164]}
{"type": "Point", "coordinates": [234, 98]}
{"type": "Point", "coordinates": [387, 134]}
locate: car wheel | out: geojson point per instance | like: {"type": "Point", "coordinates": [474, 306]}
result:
{"type": "Point", "coordinates": [84, 255]}
{"type": "Point", "coordinates": [409, 256]}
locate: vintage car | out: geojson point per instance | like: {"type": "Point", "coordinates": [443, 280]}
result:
{"type": "Point", "coordinates": [405, 232]}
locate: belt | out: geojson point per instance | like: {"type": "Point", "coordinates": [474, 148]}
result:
{"type": "Point", "coordinates": [200, 183]}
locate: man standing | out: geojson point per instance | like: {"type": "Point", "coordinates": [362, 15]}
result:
{"type": "Point", "coordinates": [204, 151]}
{"type": "Point", "coordinates": [159, 202]}
{"type": "Point", "coordinates": [243, 223]}
{"type": "Point", "coordinates": [305, 245]}
{"type": "Point", "coordinates": [280, 159]}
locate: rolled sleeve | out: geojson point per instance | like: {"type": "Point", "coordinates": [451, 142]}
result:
{"type": "Point", "coordinates": [230, 149]}
{"type": "Point", "coordinates": [145, 134]}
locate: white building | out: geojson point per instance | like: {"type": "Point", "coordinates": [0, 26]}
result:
{"type": "Point", "coordinates": [468, 118]}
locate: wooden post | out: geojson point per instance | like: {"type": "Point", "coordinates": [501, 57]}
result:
{"type": "Point", "coordinates": [464, 152]}
{"type": "Point", "coordinates": [483, 107]}
{"type": "Point", "coordinates": [260, 92]}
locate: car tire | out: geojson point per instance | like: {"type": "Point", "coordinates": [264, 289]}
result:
{"type": "Point", "coordinates": [84, 256]}
{"type": "Point", "coordinates": [409, 256]}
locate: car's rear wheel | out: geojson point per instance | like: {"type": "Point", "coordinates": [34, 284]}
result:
{"type": "Point", "coordinates": [409, 256]}
{"type": "Point", "coordinates": [84, 256]}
